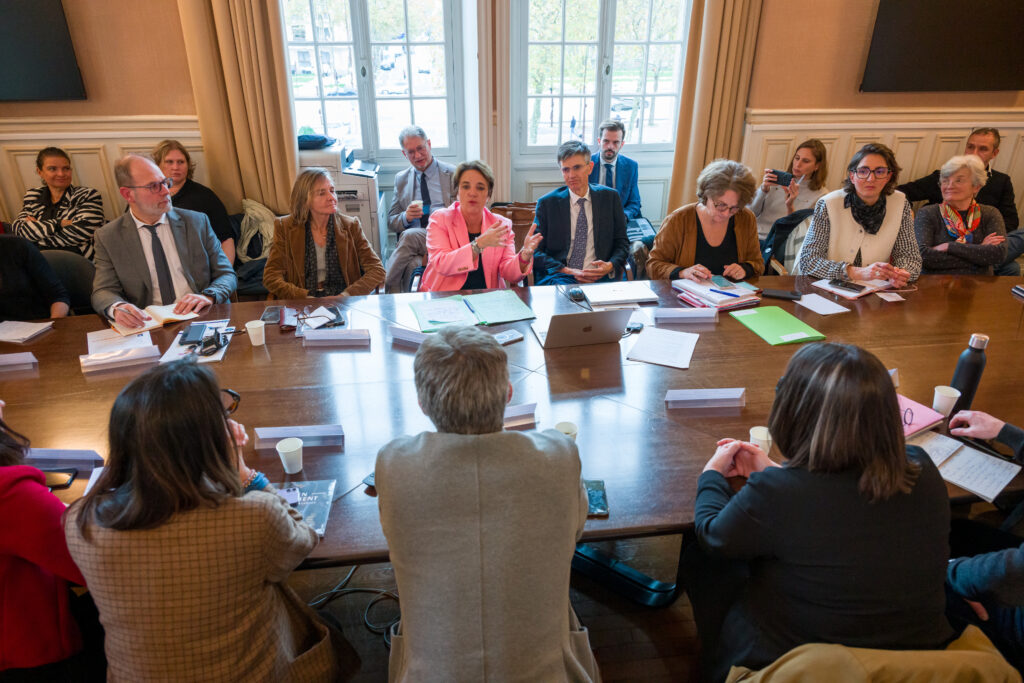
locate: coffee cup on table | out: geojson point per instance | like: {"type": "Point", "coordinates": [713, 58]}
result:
{"type": "Point", "coordinates": [761, 437]}
{"type": "Point", "coordinates": [567, 428]}
{"type": "Point", "coordinates": [256, 329]}
{"type": "Point", "coordinates": [290, 450]}
{"type": "Point", "coordinates": [944, 400]}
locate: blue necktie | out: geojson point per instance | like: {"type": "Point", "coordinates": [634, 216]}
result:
{"type": "Point", "coordinates": [163, 271]}
{"type": "Point", "coordinates": [579, 240]}
{"type": "Point", "coordinates": [609, 176]}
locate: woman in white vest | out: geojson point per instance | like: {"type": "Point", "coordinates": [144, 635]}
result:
{"type": "Point", "coordinates": [864, 231]}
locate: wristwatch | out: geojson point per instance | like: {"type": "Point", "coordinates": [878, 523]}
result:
{"type": "Point", "coordinates": [475, 247]}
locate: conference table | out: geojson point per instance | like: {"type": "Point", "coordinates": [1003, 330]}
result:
{"type": "Point", "coordinates": [649, 456]}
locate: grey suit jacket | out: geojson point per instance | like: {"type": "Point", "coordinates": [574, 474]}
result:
{"type": "Point", "coordinates": [405, 187]}
{"type": "Point", "coordinates": [481, 529]}
{"type": "Point", "coordinates": [123, 275]}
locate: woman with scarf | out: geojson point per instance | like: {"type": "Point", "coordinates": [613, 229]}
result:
{"type": "Point", "coordinates": [961, 236]}
{"type": "Point", "coordinates": [317, 251]}
{"type": "Point", "coordinates": [864, 231]}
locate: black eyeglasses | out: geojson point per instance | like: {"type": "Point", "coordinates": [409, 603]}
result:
{"type": "Point", "coordinates": [230, 399]}
{"type": "Point", "coordinates": [154, 186]}
{"type": "Point", "coordinates": [863, 172]}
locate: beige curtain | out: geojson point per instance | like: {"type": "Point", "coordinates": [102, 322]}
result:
{"type": "Point", "coordinates": [719, 59]}
{"type": "Point", "coordinates": [237, 58]}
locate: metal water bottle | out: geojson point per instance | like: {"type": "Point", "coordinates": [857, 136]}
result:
{"type": "Point", "coordinates": [968, 371]}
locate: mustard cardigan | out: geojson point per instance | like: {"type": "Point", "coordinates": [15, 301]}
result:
{"type": "Point", "coordinates": [676, 243]}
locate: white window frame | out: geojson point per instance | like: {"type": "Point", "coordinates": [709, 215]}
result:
{"type": "Point", "coordinates": [362, 58]}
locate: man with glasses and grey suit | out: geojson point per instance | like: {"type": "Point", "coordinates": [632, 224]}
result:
{"type": "Point", "coordinates": [424, 186]}
{"type": "Point", "coordinates": [156, 254]}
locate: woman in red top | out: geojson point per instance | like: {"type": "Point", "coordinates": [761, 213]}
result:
{"type": "Point", "coordinates": [38, 632]}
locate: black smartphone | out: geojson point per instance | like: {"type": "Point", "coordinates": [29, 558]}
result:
{"type": "Point", "coordinates": [847, 285]}
{"type": "Point", "coordinates": [193, 334]}
{"type": "Point", "coordinates": [339, 317]}
{"type": "Point", "coordinates": [271, 314]}
{"type": "Point", "coordinates": [597, 500]}
{"type": "Point", "coordinates": [781, 294]}
{"type": "Point", "coordinates": [60, 478]}
{"type": "Point", "coordinates": [782, 178]}
{"type": "Point", "coordinates": [289, 319]}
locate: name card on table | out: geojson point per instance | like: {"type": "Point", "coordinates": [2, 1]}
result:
{"type": "Point", "coordinates": [682, 316]}
{"type": "Point", "coordinates": [735, 397]}
{"type": "Point", "coordinates": [10, 362]}
{"type": "Point", "coordinates": [311, 435]}
{"type": "Point", "coordinates": [84, 460]}
{"type": "Point", "coordinates": [121, 358]}
{"type": "Point", "coordinates": [521, 416]}
{"type": "Point", "coordinates": [407, 337]}
{"type": "Point", "coordinates": [336, 337]}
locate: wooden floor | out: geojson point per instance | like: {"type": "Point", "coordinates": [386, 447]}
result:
{"type": "Point", "coordinates": [632, 643]}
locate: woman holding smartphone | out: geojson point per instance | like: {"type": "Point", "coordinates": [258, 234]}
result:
{"type": "Point", "coordinates": [774, 199]}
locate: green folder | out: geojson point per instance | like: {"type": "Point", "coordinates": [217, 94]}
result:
{"type": "Point", "coordinates": [777, 326]}
{"type": "Point", "coordinates": [490, 308]}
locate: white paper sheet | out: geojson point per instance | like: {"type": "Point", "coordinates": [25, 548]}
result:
{"type": "Point", "coordinates": [821, 305]}
{"type": "Point", "coordinates": [176, 350]}
{"type": "Point", "coordinates": [938, 446]}
{"type": "Point", "coordinates": [17, 332]}
{"type": "Point", "coordinates": [889, 296]}
{"type": "Point", "coordinates": [111, 340]}
{"type": "Point", "coordinates": [664, 347]}
{"type": "Point", "coordinates": [444, 310]}
{"type": "Point", "coordinates": [980, 473]}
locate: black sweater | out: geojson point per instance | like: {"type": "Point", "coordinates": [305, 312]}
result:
{"type": "Point", "coordinates": [28, 284]}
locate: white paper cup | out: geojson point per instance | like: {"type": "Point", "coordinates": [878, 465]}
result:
{"type": "Point", "coordinates": [945, 399]}
{"type": "Point", "coordinates": [290, 450]}
{"type": "Point", "coordinates": [257, 332]}
{"type": "Point", "coordinates": [567, 428]}
{"type": "Point", "coordinates": [416, 202]}
{"type": "Point", "coordinates": [761, 437]}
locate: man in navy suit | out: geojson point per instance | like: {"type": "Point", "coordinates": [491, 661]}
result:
{"type": "Point", "coordinates": [614, 170]}
{"type": "Point", "coordinates": [583, 225]}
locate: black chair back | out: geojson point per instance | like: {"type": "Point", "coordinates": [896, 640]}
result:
{"type": "Point", "coordinates": [76, 274]}
{"type": "Point", "coordinates": [775, 242]}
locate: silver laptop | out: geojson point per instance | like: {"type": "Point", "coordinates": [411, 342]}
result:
{"type": "Point", "coordinates": [585, 327]}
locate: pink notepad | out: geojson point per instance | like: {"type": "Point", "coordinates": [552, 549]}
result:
{"type": "Point", "coordinates": [916, 417]}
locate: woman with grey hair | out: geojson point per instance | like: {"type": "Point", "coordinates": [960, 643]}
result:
{"type": "Point", "coordinates": [715, 236]}
{"type": "Point", "coordinates": [961, 236]}
{"type": "Point", "coordinates": [481, 527]}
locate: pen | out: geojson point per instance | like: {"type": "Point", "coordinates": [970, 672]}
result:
{"type": "Point", "coordinates": [718, 291]}
{"type": "Point", "coordinates": [466, 301]}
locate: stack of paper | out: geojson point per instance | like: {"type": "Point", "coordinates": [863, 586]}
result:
{"type": "Point", "coordinates": [709, 296]}
{"type": "Point", "coordinates": [777, 326]}
{"type": "Point", "coordinates": [615, 293]}
{"type": "Point", "coordinates": [664, 347]}
{"type": "Point", "coordinates": [982, 474]}
{"type": "Point", "coordinates": [17, 332]}
{"type": "Point", "coordinates": [161, 315]}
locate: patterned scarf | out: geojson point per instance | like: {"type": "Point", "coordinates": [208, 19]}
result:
{"type": "Point", "coordinates": [955, 224]}
{"type": "Point", "coordinates": [335, 282]}
{"type": "Point", "coordinates": [869, 217]}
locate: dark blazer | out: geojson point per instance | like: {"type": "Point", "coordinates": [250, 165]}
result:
{"type": "Point", "coordinates": [997, 192]}
{"type": "Point", "coordinates": [626, 173]}
{"type": "Point", "coordinates": [122, 273]}
{"type": "Point", "coordinates": [553, 222]}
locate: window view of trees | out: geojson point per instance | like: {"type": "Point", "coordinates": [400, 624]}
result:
{"type": "Point", "coordinates": [406, 47]}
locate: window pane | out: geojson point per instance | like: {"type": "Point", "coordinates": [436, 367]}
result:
{"type": "Point", "coordinates": [296, 20]}
{"type": "Point", "coordinates": [545, 20]}
{"type": "Point", "coordinates": [303, 69]}
{"type": "Point", "coordinates": [660, 118]}
{"type": "Point", "coordinates": [669, 19]}
{"type": "Point", "coordinates": [392, 117]}
{"type": "Point", "coordinates": [432, 117]}
{"type": "Point", "coordinates": [631, 20]}
{"type": "Point", "coordinates": [545, 70]}
{"type": "Point", "coordinates": [390, 70]}
{"type": "Point", "coordinates": [662, 65]}
{"type": "Point", "coordinates": [343, 122]}
{"type": "Point", "coordinates": [387, 20]}
{"type": "Point", "coordinates": [544, 121]}
{"type": "Point", "coordinates": [428, 70]}
{"type": "Point", "coordinates": [339, 74]}
{"type": "Point", "coordinates": [623, 106]}
{"type": "Point", "coordinates": [308, 120]}
{"type": "Point", "coordinates": [426, 21]}
{"type": "Point", "coordinates": [332, 21]}
{"type": "Point", "coordinates": [628, 69]}
{"type": "Point", "coordinates": [577, 118]}
{"type": "Point", "coordinates": [581, 20]}
{"type": "Point", "coordinates": [580, 69]}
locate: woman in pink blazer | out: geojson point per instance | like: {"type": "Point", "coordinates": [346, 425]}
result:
{"type": "Point", "coordinates": [468, 247]}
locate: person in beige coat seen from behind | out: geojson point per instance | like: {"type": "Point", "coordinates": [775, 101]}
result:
{"type": "Point", "coordinates": [481, 526]}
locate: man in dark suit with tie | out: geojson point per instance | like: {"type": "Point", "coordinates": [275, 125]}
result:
{"type": "Point", "coordinates": [616, 170]}
{"type": "Point", "coordinates": [583, 225]}
{"type": "Point", "coordinates": [156, 254]}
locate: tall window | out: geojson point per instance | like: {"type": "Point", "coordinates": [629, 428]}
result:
{"type": "Point", "coordinates": [588, 60]}
{"type": "Point", "coordinates": [361, 70]}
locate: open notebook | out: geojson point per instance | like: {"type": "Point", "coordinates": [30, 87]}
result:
{"type": "Point", "coordinates": [161, 315]}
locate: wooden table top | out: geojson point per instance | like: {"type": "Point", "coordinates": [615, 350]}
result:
{"type": "Point", "coordinates": [649, 456]}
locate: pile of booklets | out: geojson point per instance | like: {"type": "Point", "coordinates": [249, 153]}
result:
{"type": "Point", "coordinates": [711, 296]}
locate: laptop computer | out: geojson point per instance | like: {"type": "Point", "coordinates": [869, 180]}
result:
{"type": "Point", "coordinates": [579, 329]}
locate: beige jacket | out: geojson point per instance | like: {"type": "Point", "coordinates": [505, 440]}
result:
{"type": "Point", "coordinates": [482, 530]}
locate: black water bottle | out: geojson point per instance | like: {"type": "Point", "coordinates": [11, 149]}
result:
{"type": "Point", "coordinates": [968, 371]}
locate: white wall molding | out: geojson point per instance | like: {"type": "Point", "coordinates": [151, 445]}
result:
{"type": "Point", "coordinates": [921, 139]}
